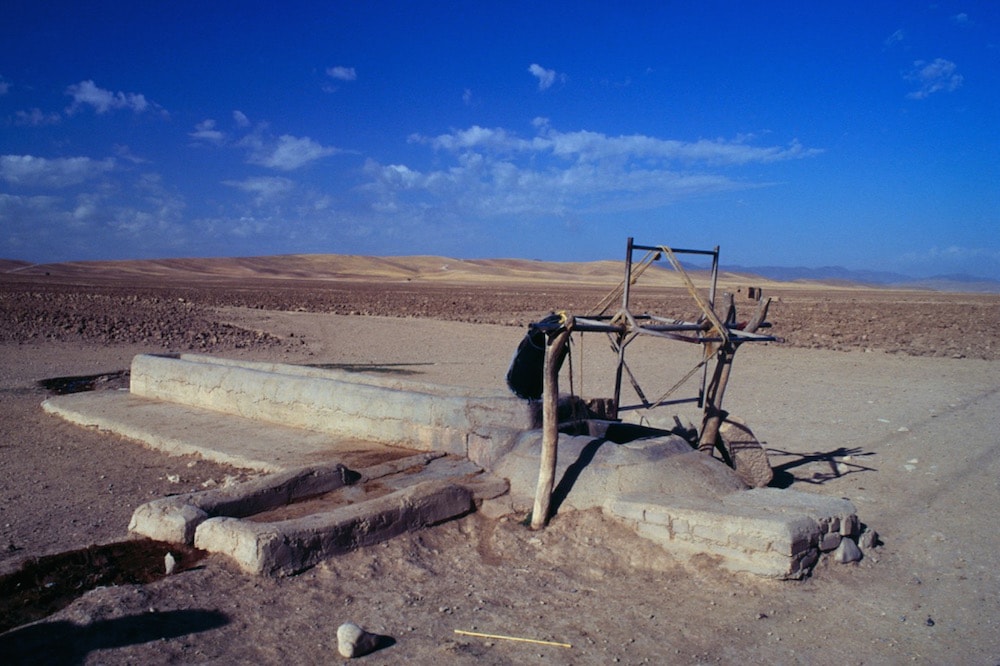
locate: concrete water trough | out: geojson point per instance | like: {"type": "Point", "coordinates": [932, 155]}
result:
{"type": "Point", "coordinates": [352, 459]}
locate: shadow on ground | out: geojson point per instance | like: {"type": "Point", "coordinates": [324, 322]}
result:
{"type": "Point", "coordinates": [63, 642]}
{"type": "Point", "coordinates": [834, 460]}
{"type": "Point", "coordinates": [45, 585]}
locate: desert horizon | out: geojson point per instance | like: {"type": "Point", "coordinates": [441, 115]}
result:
{"type": "Point", "coordinates": [443, 269]}
{"type": "Point", "coordinates": [884, 396]}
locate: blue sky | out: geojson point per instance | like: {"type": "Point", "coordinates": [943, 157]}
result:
{"type": "Point", "coordinates": [865, 135]}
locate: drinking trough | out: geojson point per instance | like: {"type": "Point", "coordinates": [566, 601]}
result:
{"type": "Point", "coordinates": [350, 459]}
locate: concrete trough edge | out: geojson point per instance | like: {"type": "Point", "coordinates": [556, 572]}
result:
{"type": "Point", "coordinates": [288, 547]}
{"type": "Point", "coordinates": [175, 519]}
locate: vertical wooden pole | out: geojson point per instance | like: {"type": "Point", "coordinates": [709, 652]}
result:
{"type": "Point", "coordinates": [620, 337]}
{"type": "Point", "coordinates": [550, 429]}
{"type": "Point", "coordinates": [714, 415]}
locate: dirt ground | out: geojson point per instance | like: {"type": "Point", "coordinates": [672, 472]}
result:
{"type": "Point", "coordinates": [890, 399]}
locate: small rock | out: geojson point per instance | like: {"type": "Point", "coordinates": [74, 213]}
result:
{"type": "Point", "coordinates": [353, 641]}
{"type": "Point", "coordinates": [829, 542]}
{"type": "Point", "coordinates": [846, 552]}
{"type": "Point", "coordinates": [169, 563]}
{"type": "Point", "coordinates": [929, 622]}
{"type": "Point", "coordinates": [868, 539]}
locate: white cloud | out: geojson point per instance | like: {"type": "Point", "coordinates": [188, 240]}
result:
{"type": "Point", "coordinates": [961, 19]}
{"type": "Point", "coordinates": [28, 222]}
{"type": "Point", "coordinates": [895, 38]}
{"type": "Point", "coordinates": [342, 73]}
{"type": "Point", "coordinates": [546, 77]}
{"type": "Point", "coordinates": [265, 188]}
{"type": "Point", "coordinates": [241, 119]}
{"type": "Point", "coordinates": [205, 131]}
{"type": "Point", "coordinates": [88, 93]}
{"type": "Point", "coordinates": [126, 153]}
{"type": "Point", "coordinates": [4, 86]}
{"type": "Point", "coordinates": [584, 145]}
{"type": "Point", "coordinates": [937, 76]}
{"type": "Point", "coordinates": [495, 172]}
{"type": "Point", "coordinates": [143, 217]}
{"type": "Point", "coordinates": [36, 118]}
{"type": "Point", "coordinates": [288, 152]}
{"type": "Point", "coordinates": [30, 171]}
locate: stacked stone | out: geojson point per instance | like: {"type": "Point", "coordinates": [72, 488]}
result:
{"type": "Point", "coordinates": [839, 536]}
{"type": "Point", "coordinates": [773, 533]}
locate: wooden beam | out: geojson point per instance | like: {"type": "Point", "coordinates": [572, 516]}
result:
{"type": "Point", "coordinates": [555, 347]}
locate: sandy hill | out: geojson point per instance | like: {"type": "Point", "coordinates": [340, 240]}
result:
{"type": "Point", "coordinates": [429, 269]}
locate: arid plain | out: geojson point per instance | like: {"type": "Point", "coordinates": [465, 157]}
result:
{"type": "Point", "coordinates": [888, 398]}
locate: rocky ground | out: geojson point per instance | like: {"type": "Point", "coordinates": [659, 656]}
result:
{"type": "Point", "coordinates": [181, 315]}
{"type": "Point", "coordinates": [887, 398]}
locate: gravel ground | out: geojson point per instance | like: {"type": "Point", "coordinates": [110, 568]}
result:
{"type": "Point", "coordinates": [917, 414]}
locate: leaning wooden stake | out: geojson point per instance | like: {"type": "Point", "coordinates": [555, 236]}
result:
{"type": "Point", "coordinates": [550, 428]}
{"type": "Point", "coordinates": [714, 414]}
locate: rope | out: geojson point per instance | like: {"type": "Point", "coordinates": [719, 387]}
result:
{"type": "Point", "coordinates": [616, 293]}
{"type": "Point", "coordinates": [683, 379]}
{"type": "Point", "coordinates": [709, 313]}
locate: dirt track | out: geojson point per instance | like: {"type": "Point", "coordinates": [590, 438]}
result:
{"type": "Point", "coordinates": [920, 432]}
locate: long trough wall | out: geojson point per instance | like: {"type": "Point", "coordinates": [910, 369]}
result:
{"type": "Point", "coordinates": [479, 425]}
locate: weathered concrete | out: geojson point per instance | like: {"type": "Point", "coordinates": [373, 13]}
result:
{"type": "Point", "coordinates": [686, 501]}
{"type": "Point", "coordinates": [411, 492]}
{"type": "Point", "coordinates": [175, 518]}
{"type": "Point", "coordinates": [477, 424]}
{"type": "Point", "coordinates": [183, 430]}
{"type": "Point", "coordinates": [290, 546]}
{"type": "Point", "coordinates": [298, 420]}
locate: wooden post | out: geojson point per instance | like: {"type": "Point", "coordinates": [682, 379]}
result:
{"type": "Point", "coordinates": [550, 428]}
{"type": "Point", "coordinates": [713, 402]}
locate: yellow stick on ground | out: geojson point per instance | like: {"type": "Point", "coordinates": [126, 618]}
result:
{"type": "Point", "coordinates": [511, 638]}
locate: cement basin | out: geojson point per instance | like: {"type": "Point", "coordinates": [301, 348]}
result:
{"type": "Point", "coordinates": [621, 459]}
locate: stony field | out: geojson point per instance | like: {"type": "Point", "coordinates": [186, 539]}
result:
{"type": "Point", "coordinates": [891, 399]}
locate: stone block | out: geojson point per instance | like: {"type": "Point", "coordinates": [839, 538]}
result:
{"type": "Point", "coordinates": [633, 511]}
{"type": "Point", "coordinates": [829, 541]}
{"type": "Point", "coordinates": [287, 547]}
{"type": "Point", "coordinates": [169, 519]}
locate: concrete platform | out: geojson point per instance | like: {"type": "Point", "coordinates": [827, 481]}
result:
{"type": "Point", "coordinates": [688, 502]}
{"type": "Point", "coordinates": [184, 430]}
{"type": "Point", "coordinates": [437, 452]}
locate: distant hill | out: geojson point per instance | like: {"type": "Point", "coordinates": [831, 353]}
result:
{"type": "Point", "coordinates": [12, 265]}
{"type": "Point", "coordinates": [841, 275]}
{"type": "Point", "coordinates": [432, 269]}
{"type": "Point", "coordinates": [426, 269]}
